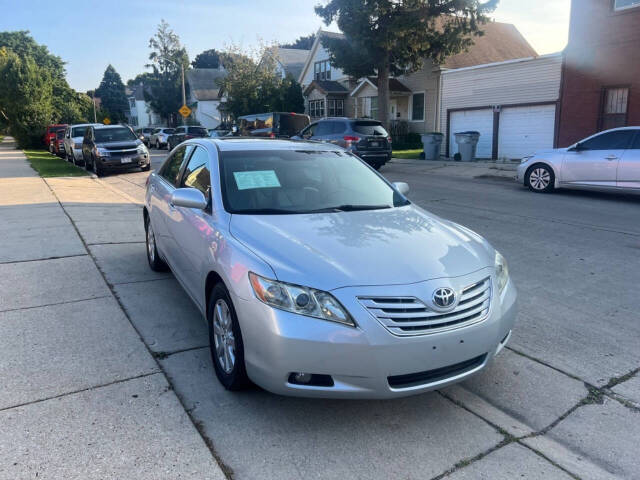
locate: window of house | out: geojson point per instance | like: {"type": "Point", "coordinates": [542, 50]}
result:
{"type": "Point", "coordinates": [335, 108]}
{"type": "Point", "coordinates": [132, 102]}
{"type": "Point", "coordinates": [417, 107]}
{"type": "Point", "coordinates": [614, 107]}
{"type": "Point", "coordinates": [316, 108]}
{"type": "Point", "coordinates": [367, 107]}
{"type": "Point", "coordinates": [623, 4]}
{"type": "Point", "coordinates": [322, 70]}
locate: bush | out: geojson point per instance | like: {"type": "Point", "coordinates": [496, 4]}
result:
{"type": "Point", "coordinates": [409, 141]}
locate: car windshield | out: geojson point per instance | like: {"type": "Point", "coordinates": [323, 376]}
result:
{"type": "Point", "coordinates": [369, 128]}
{"type": "Point", "coordinates": [78, 131]}
{"type": "Point", "coordinates": [198, 130]}
{"type": "Point", "coordinates": [290, 182]}
{"type": "Point", "coordinates": [103, 135]}
{"type": "Point", "coordinates": [168, 131]}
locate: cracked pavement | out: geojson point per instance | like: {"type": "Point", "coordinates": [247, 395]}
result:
{"type": "Point", "coordinates": [108, 371]}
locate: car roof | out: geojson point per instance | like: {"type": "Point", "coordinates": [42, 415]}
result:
{"type": "Point", "coordinates": [231, 144]}
{"type": "Point", "coordinates": [84, 125]}
{"type": "Point", "coordinates": [106, 127]}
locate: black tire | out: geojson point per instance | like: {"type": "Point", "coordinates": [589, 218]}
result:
{"type": "Point", "coordinates": [97, 169]}
{"type": "Point", "coordinates": [540, 178]}
{"type": "Point", "coordinates": [146, 168]}
{"type": "Point", "coordinates": [153, 257]}
{"type": "Point", "coordinates": [236, 377]}
{"type": "Point", "coordinates": [157, 144]}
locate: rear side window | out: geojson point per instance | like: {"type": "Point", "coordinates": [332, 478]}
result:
{"type": "Point", "coordinates": [636, 142]}
{"type": "Point", "coordinates": [369, 128]}
{"type": "Point", "coordinates": [197, 173]}
{"type": "Point", "coordinates": [324, 128]}
{"type": "Point", "coordinates": [171, 168]}
{"type": "Point", "coordinates": [617, 140]}
{"type": "Point", "coordinates": [292, 124]}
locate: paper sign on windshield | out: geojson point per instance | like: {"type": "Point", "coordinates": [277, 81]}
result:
{"type": "Point", "coordinates": [256, 179]}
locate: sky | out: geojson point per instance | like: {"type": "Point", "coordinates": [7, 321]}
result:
{"type": "Point", "coordinates": [90, 34]}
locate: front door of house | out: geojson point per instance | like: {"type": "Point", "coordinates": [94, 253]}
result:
{"type": "Point", "coordinates": [393, 109]}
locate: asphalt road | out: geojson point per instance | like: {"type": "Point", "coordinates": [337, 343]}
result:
{"type": "Point", "coordinates": [561, 402]}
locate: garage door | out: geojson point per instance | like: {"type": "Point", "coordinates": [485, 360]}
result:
{"type": "Point", "coordinates": [523, 130]}
{"type": "Point", "coordinates": [473, 120]}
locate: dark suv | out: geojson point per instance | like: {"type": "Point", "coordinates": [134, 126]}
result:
{"type": "Point", "coordinates": [113, 147]}
{"type": "Point", "coordinates": [272, 125]}
{"type": "Point", "coordinates": [183, 133]}
{"type": "Point", "coordinates": [365, 138]}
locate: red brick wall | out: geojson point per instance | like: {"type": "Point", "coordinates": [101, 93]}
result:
{"type": "Point", "coordinates": [603, 51]}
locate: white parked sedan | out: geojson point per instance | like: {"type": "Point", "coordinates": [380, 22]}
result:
{"type": "Point", "coordinates": [317, 277]}
{"type": "Point", "coordinates": [608, 160]}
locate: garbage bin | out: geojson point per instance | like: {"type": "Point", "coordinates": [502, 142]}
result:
{"type": "Point", "coordinates": [431, 143]}
{"type": "Point", "coordinates": [467, 143]}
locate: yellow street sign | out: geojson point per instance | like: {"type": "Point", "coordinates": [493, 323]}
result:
{"type": "Point", "coordinates": [106, 121]}
{"type": "Point", "coordinates": [185, 111]}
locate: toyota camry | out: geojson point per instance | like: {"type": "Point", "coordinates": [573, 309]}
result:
{"type": "Point", "coordinates": [317, 277]}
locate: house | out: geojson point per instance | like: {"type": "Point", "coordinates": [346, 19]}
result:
{"type": "Point", "coordinates": [511, 103]}
{"type": "Point", "coordinates": [289, 61]}
{"type": "Point", "coordinates": [141, 114]}
{"type": "Point", "coordinates": [601, 69]}
{"type": "Point", "coordinates": [205, 96]}
{"type": "Point", "coordinates": [414, 98]}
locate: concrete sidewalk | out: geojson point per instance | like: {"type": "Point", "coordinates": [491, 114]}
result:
{"type": "Point", "coordinates": [456, 169]}
{"type": "Point", "coordinates": [82, 396]}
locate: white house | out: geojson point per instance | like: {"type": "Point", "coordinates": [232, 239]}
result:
{"type": "Point", "coordinates": [140, 113]}
{"type": "Point", "coordinates": [204, 95]}
{"type": "Point", "coordinates": [512, 104]}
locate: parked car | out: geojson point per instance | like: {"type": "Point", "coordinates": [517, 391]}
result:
{"type": "Point", "coordinates": [113, 147]}
{"type": "Point", "coordinates": [74, 134]}
{"type": "Point", "coordinates": [160, 136]}
{"type": "Point", "coordinates": [58, 144]}
{"type": "Point", "coordinates": [145, 133]}
{"type": "Point", "coordinates": [318, 277]}
{"type": "Point", "coordinates": [608, 160]}
{"type": "Point", "coordinates": [272, 125]}
{"type": "Point", "coordinates": [213, 133]}
{"type": "Point", "coordinates": [185, 133]}
{"type": "Point", "coordinates": [50, 134]}
{"type": "Point", "coordinates": [366, 138]}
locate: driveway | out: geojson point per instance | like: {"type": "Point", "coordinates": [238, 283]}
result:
{"type": "Point", "coordinates": [563, 401]}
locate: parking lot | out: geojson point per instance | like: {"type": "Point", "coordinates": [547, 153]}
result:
{"type": "Point", "coordinates": [562, 401]}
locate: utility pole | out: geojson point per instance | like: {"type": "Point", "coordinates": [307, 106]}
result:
{"type": "Point", "coordinates": [93, 99]}
{"type": "Point", "coordinates": [184, 94]}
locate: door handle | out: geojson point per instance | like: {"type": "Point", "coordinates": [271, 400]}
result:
{"type": "Point", "coordinates": [611, 157]}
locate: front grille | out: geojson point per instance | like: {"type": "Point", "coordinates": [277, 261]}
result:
{"type": "Point", "coordinates": [435, 375]}
{"type": "Point", "coordinates": [411, 316]}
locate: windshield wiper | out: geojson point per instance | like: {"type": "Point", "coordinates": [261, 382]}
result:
{"type": "Point", "coordinates": [349, 208]}
{"type": "Point", "coordinates": [267, 211]}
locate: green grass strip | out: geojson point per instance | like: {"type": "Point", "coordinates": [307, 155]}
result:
{"type": "Point", "coordinates": [48, 165]}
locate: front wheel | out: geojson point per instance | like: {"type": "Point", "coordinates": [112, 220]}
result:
{"type": "Point", "coordinates": [540, 178]}
{"type": "Point", "coordinates": [157, 145]}
{"type": "Point", "coordinates": [155, 262]}
{"type": "Point", "coordinates": [225, 340]}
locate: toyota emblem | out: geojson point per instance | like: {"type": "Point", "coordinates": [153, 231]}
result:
{"type": "Point", "coordinates": [444, 297]}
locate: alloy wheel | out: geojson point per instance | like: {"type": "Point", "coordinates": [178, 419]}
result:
{"type": "Point", "coordinates": [151, 243]}
{"type": "Point", "coordinates": [539, 178]}
{"type": "Point", "coordinates": [225, 343]}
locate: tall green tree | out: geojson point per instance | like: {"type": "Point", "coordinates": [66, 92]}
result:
{"type": "Point", "coordinates": [111, 93]}
{"type": "Point", "coordinates": [290, 96]}
{"type": "Point", "coordinates": [207, 59]}
{"type": "Point", "coordinates": [393, 37]}
{"type": "Point", "coordinates": [165, 83]}
{"type": "Point", "coordinates": [33, 89]}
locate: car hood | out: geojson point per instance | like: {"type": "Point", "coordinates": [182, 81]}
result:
{"type": "Point", "coordinates": [376, 247]}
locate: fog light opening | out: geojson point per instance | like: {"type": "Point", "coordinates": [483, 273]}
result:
{"type": "Point", "coordinates": [310, 379]}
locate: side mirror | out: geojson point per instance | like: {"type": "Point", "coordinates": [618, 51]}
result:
{"type": "Point", "coordinates": [402, 187]}
{"type": "Point", "coordinates": [188, 198]}
{"type": "Point", "coordinates": [577, 148]}
{"type": "Point", "coordinates": [141, 137]}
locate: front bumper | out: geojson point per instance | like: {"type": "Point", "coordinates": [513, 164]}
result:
{"type": "Point", "coordinates": [522, 170]}
{"type": "Point", "coordinates": [361, 360]}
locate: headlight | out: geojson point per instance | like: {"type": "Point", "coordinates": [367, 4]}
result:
{"type": "Point", "coordinates": [141, 149]}
{"type": "Point", "coordinates": [526, 159]}
{"type": "Point", "coordinates": [102, 152]}
{"type": "Point", "coordinates": [301, 300]}
{"type": "Point", "coordinates": [502, 272]}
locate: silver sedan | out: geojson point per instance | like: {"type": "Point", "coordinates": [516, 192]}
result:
{"type": "Point", "coordinates": [608, 160]}
{"type": "Point", "coordinates": [317, 277]}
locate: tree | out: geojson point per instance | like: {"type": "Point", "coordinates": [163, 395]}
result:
{"type": "Point", "coordinates": [393, 37]}
{"type": "Point", "coordinates": [302, 43]}
{"type": "Point", "coordinates": [165, 84]}
{"type": "Point", "coordinates": [111, 93]}
{"type": "Point", "coordinates": [207, 59]}
{"type": "Point", "coordinates": [33, 89]}
{"type": "Point", "coordinates": [256, 86]}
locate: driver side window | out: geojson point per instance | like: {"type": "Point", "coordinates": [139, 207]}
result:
{"type": "Point", "coordinates": [616, 140]}
{"type": "Point", "coordinates": [309, 131]}
{"type": "Point", "coordinates": [170, 171]}
{"type": "Point", "coordinates": [197, 173]}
